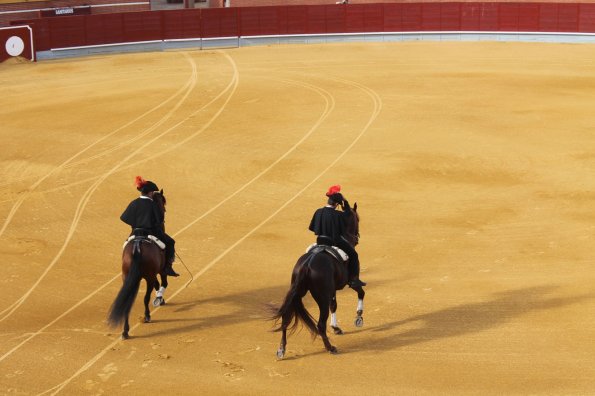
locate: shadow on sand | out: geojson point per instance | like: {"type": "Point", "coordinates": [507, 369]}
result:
{"type": "Point", "coordinates": [468, 318]}
{"type": "Point", "coordinates": [245, 306]}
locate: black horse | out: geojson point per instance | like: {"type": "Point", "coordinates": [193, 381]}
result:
{"type": "Point", "coordinates": [322, 274]}
{"type": "Point", "coordinates": [142, 258]}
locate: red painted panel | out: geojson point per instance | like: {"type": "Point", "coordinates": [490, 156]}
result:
{"type": "Point", "coordinates": [316, 20]}
{"type": "Point", "coordinates": [41, 34]}
{"type": "Point", "coordinates": [282, 20]}
{"type": "Point", "coordinates": [355, 18]}
{"type": "Point", "coordinates": [393, 17]}
{"type": "Point", "coordinates": [568, 17]}
{"type": "Point", "coordinates": [548, 17]}
{"type": "Point", "coordinates": [133, 27]}
{"type": "Point", "coordinates": [431, 15]}
{"type": "Point", "coordinates": [256, 21]}
{"type": "Point", "coordinates": [508, 17]}
{"type": "Point", "coordinates": [364, 18]}
{"type": "Point", "coordinates": [67, 31]}
{"type": "Point", "coordinates": [220, 22]}
{"type": "Point", "coordinates": [450, 16]}
{"type": "Point", "coordinates": [142, 26]}
{"type": "Point", "coordinates": [488, 20]}
{"type": "Point", "coordinates": [470, 16]}
{"type": "Point", "coordinates": [172, 24]}
{"type": "Point", "coordinates": [374, 17]}
{"type": "Point", "coordinates": [94, 30]}
{"type": "Point", "coordinates": [335, 18]}
{"type": "Point", "coordinates": [297, 19]}
{"type": "Point", "coordinates": [181, 24]}
{"type": "Point", "coordinates": [113, 25]}
{"type": "Point", "coordinates": [586, 22]}
{"type": "Point", "coordinates": [412, 17]}
{"type": "Point", "coordinates": [528, 17]}
{"type": "Point", "coordinates": [269, 20]}
{"type": "Point", "coordinates": [250, 21]}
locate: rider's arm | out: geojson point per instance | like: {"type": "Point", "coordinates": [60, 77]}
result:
{"type": "Point", "coordinates": [129, 215]}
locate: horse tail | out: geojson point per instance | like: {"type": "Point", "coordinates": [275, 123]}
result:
{"type": "Point", "coordinates": [125, 298]}
{"type": "Point", "coordinates": [293, 309]}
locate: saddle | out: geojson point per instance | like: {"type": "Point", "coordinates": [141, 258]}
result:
{"type": "Point", "coordinates": [334, 251]}
{"type": "Point", "coordinates": [148, 238]}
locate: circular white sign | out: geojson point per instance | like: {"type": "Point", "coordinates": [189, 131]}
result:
{"type": "Point", "coordinates": [15, 46]}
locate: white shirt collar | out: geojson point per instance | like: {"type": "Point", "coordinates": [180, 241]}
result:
{"type": "Point", "coordinates": [145, 197]}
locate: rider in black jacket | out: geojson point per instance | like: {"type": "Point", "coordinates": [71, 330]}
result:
{"type": "Point", "coordinates": [143, 215]}
{"type": "Point", "coordinates": [329, 226]}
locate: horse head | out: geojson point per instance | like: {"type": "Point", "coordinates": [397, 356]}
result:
{"type": "Point", "coordinates": [352, 223]}
{"type": "Point", "coordinates": [160, 200]}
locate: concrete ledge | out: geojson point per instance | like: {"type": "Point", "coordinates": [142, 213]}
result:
{"type": "Point", "coordinates": [234, 42]}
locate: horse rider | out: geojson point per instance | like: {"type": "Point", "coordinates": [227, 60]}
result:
{"type": "Point", "coordinates": [144, 216]}
{"type": "Point", "coordinates": [329, 226]}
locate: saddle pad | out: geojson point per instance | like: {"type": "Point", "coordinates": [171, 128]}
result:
{"type": "Point", "coordinates": [151, 237]}
{"type": "Point", "coordinates": [340, 252]}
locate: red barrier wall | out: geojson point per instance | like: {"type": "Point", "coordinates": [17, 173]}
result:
{"type": "Point", "coordinates": [314, 19]}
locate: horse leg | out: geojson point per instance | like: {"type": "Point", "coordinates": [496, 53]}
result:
{"type": "Point", "coordinates": [359, 320]}
{"type": "Point", "coordinates": [323, 306]}
{"type": "Point", "coordinates": [282, 346]}
{"type": "Point", "coordinates": [334, 324]}
{"type": "Point", "coordinates": [159, 300]}
{"type": "Point", "coordinates": [147, 298]}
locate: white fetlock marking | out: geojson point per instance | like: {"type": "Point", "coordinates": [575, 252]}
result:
{"type": "Point", "coordinates": [334, 319]}
{"type": "Point", "coordinates": [161, 291]}
{"type": "Point", "coordinates": [360, 305]}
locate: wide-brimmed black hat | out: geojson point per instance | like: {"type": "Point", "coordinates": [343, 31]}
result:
{"type": "Point", "coordinates": [145, 186]}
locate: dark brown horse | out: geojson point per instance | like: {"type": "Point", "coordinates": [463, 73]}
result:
{"type": "Point", "coordinates": [322, 275]}
{"type": "Point", "coordinates": [142, 258]}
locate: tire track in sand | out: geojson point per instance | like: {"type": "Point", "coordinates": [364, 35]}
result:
{"type": "Point", "coordinates": [377, 101]}
{"type": "Point", "coordinates": [232, 85]}
{"type": "Point", "coordinates": [7, 312]}
{"type": "Point", "coordinates": [27, 193]}
{"type": "Point", "coordinates": [329, 107]}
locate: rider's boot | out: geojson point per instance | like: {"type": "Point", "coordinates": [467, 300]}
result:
{"type": "Point", "coordinates": [169, 270]}
{"type": "Point", "coordinates": [354, 280]}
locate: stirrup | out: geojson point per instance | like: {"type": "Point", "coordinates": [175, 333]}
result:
{"type": "Point", "coordinates": [356, 283]}
{"type": "Point", "coordinates": [169, 271]}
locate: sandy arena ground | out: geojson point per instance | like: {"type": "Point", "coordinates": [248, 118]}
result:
{"type": "Point", "coordinates": [472, 165]}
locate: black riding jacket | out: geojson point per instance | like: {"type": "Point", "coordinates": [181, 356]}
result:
{"type": "Point", "coordinates": [143, 213]}
{"type": "Point", "coordinates": [328, 222]}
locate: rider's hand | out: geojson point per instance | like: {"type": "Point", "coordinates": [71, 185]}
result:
{"type": "Point", "coordinates": [345, 205]}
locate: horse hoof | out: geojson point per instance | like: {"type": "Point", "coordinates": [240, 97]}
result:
{"type": "Point", "coordinates": [158, 301]}
{"type": "Point", "coordinates": [125, 336]}
{"type": "Point", "coordinates": [147, 319]}
{"type": "Point", "coordinates": [359, 321]}
{"type": "Point", "coordinates": [337, 330]}
{"type": "Point", "coordinates": [280, 353]}
{"type": "Point", "coordinates": [333, 351]}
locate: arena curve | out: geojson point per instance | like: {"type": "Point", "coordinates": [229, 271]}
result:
{"type": "Point", "coordinates": [291, 24]}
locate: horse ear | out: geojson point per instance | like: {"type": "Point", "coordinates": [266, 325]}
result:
{"type": "Point", "coordinates": [161, 192]}
{"type": "Point", "coordinates": [355, 207]}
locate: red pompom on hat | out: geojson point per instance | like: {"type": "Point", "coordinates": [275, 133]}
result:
{"type": "Point", "coordinates": [139, 182]}
{"type": "Point", "coordinates": [333, 190]}
{"type": "Point", "coordinates": [145, 186]}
